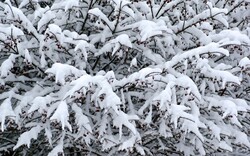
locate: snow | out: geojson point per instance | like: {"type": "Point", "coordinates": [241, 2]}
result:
{"type": "Point", "coordinates": [121, 77]}
{"type": "Point", "coordinates": [241, 138]}
{"type": "Point", "coordinates": [97, 12]}
{"type": "Point", "coordinates": [124, 119]}
{"type": "Point", "coordinates": [58, 149]}
{"type": "Point", "coordinates": [241, 104]}
{"type": "Point", "coordinates": [189, 126]}
{"type": "Point", "coordinates": [6, 111]}
{"type": "Point", "coordinates": [119, 3]}
{"type": "Point", "coordinates": [215, 130]}
{"type": "Point", "coordinates": [81, 119]}
{"type": "Point", "coordinates": [17, 14]}
{"type": "Point", "coordinates": [23, 3]}
{"type": "Point", "coordinates": [61, 71]}
{"type": "Point", "coordinates": [8, 30]}
{"type": "Point", "coordinates": [7, 65]}
{"type": "Point", "coordinates": [232, 35]}
{"type": "Point", "coordinates": [115, 44]}
{"type": "Point", "coordinates": [46, 18]}
{"type": "Point", "coordinates": [188, 83]}
{"type": "Point", "coordinates": [148, 118]}
{"type": "Point", "coordinates": [82, 45]}
{"type": "Point", "coordinates": [128, 143]}
{"type": "Point", "coordinates": [69, 4]}
{"type": "Point", "coordinates": [200, 147]}
{"type": "Point", "coordinates": [56, 31]}
{"type": "Point", "coordinates": [185, 149]}
{"type": "Point", "coordinates": [196, 52]}
{"type": "Point", "coordinates": [103, 125]}
{"type": "Point", "coordinates": [168, 6]}
{"type": "Point", "coordinates": [40, 11]}
{"type": "Point", "coordinates": [244, 63]}
{"type": "Point", "coordinates": [235, 121]}
{"type": "Point", "coordinates": [177, 111]}
{"type": "Point", "coordinates": [164, 130]}
{"type": "Point", "coordinates": [25, 138]}
{"type": "Point", "coordinates": [225, 76]}
{"type": "Point", "coordinates": [40, 104]}
{"type": "Point", "coordinates": [211, 12]}
{"type": "Point", "coordinates": [122, 4]}
{"type": "Point", "coordinates": [123, 39]}
{"type": "Point", "coordinates": [110, 141]}
{"type": "Point", "coordinates": [43, 61]}
{"type": "Point", "coordinates": [140, 149]}
{"type": "Point", "coordinates": [27, 56]}
{"type": "Point", "coordinates": [133, 62]}
{"type": "Point", "coordinates": [223, 66]}
{"type": "Point", "coordinates": [165, 97]}
{"type": "Point", "coordinates": [62, 115]}
{"type": "Point", "coordinates": [206, 26]}
{"type": "Point", "coordinates": [154, 57]}
{"type": "Point", "coordinates": [48, 134]}
{"type": "Point", "coordinates": [148, 29]}
{"type": "Point", "coordinates": [80, 84]}
{"type": "Point", "coordinates": [111, 100]}
{"type": "Point", "coordinates": [203, 38]}
{"type": "Point", "coordinates": [225, 146]}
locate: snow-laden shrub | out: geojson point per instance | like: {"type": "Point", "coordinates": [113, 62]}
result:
{"type": "Point", "coordinates": [121, 77]}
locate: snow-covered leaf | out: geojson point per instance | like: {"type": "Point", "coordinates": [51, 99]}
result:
{"type": "Point", "coordinates": [61, 71]}
{"type": "Point", "coordinates": [81, 119]}
{"type": "Point", "coordinates": [6, 110]}
{"type": "Point", "coordinates": [62, 115]}
{"type": "Point", "coordinates": [25, 138]}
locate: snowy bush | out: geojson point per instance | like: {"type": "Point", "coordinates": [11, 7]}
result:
{"type": "Point", "coordinates": [121, 77]}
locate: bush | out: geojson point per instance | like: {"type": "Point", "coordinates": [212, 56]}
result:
{"type": "Point", "coordinates": [120, 77]}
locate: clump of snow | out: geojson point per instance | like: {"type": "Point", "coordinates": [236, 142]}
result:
{"type": "Point", "coordinates": [122, 39]}
{"type": "Point", "coordinates": [232, 35]}
{"type": "Point", "coordinates": [225, 146]}
{"type": "Point", "coordinates": [46, 18]}
{"type": "Point", "coordinates": [128, 143]}
{"type": "Point", "coordinates": [16, 14]}
{"type": "Point", "coordinates": [212, 47]}
{"type": "Point", "coordinates": [58, 149]}
{"type": "Point", "coordinates": [7, 65]}
{"type": "Point", "coordinates": [98, 13]}
{"type": "Point", "coordinates": [40, 104]}
{"type": "Point", "coordinates": [124, 119]}
{"type": "Point", "coordinates": [10, 30]}
{"type": "Point", "coordinates": [62, 115]}
{"type": "Point", "coordinates": [241, 138]}
{"type": "Point", "coordinates": [244, 63]}
{"type": "Point", "coordinates": [81, 119]}
{"type": "Point", "coordinates": [133, 62]}
{"type": "Point", "coordinates": [81, 84]}
{"type": "Point", "coordinates": [148, 29]}
{"type": "Point", "coordinates": [27, 56]}
{"type": "Point", "coordinates": [82, 45]}
{"type": "Point", "coordinates": [228, 107]}
{"type": "Point", "coordinates": [25, 138]}
{"type": "Point", "coordinates": [61, 71]}
{"type": "Point", "coordinates": [188, 83]}
{"type": "Point", "coordinates": [165, 97]}
{"type": "Point", "coordinates": [115, 44]}
{"type": "Point", "coordinates": [6, 110]}
{"type": "Point", "coordinates": [215, 129]}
